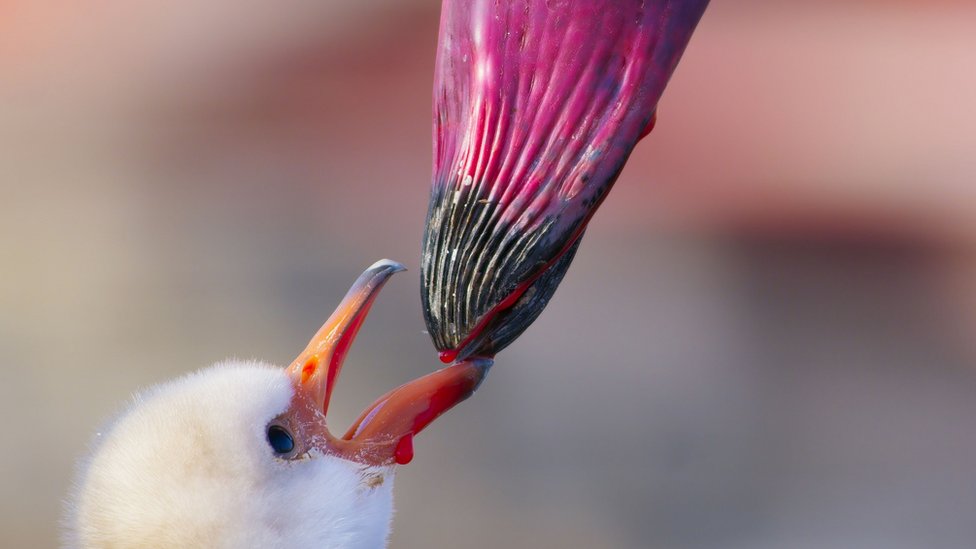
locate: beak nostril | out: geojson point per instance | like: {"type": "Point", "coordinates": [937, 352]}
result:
{"type": "Point", "coordinates": [309, 368]}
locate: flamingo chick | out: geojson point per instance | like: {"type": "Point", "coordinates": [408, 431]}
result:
{"type": "Point", "coordinates": [239, 455]}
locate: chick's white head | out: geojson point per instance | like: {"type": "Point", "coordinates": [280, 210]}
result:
{"type": "Point", "coordinates": [190, 465]}
{"type": "Point", "coordinates": [238, 455]}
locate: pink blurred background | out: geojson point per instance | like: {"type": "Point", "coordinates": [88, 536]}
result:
{"type": "Point", "coordinates": [766, 339]}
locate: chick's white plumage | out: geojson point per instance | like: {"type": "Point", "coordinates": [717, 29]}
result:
{"type": "Point", "coordinates": [188, 464]}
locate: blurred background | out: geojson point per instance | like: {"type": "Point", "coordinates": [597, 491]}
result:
{"type": "Point", "coordinates": [766, 341]}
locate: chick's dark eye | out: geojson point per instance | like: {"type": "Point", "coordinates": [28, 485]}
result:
{"type": "Point", "coordinates": [280, 439]}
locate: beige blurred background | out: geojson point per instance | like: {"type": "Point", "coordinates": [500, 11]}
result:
{"type": "Point", "coordinates": [766, 341]}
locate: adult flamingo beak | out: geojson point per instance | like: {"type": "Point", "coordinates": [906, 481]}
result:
{"type": "Point", "coordinates": [537, 106]}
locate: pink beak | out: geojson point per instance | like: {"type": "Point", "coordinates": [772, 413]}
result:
{"type": "Point", "coordinates": [384, 432]}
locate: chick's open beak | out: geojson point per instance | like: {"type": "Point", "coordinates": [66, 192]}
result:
{"type": "Point", "coordinates": [384, 432]}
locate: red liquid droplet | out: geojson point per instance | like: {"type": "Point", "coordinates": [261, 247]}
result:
{"type": "Point", "coordinates": [404, 450]}
{"type": "Point", "coordinates": [448, 356]}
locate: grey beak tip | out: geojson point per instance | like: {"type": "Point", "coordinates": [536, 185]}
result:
{"type": "Point", "coordinates": [387, 265]}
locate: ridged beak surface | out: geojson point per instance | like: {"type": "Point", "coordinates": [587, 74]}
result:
{"type": "Point", "coordinates": [537, 106]}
